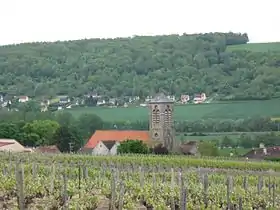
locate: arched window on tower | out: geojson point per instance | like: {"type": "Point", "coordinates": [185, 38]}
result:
{"type": "Point", "coordinates": [167, 115]}
{"type": "Point", "coordinates": [155, 115]}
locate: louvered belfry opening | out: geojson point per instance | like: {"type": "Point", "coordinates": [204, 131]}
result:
{"type": "Point", "coordinates": [167, 116]}
{"type": "Point", "coordinates": [156, 115]}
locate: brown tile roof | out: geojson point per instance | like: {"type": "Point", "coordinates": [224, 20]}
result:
{"type": "Point", "coordinates": [259, 153]}
{"type": "Point", "coordinates": [2, 144]}
{"type": "Point", "coordinates": [116, 135]}
{"type": "Point", "coordinates": [187, 147]}
{"type": "Point", "coordinates": [48, 149]}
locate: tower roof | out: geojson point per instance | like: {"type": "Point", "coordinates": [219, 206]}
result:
{"type": "Point", "coordinates": [161, 98]}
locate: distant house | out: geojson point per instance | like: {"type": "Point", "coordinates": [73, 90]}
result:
{"type": "Point", "coordinates": [48, 149]}
{"type": "Point", "coordinates": [11, 145]}
{"type": "Point", "coordinates": [64, 99]}
{"type": "Point", "coordinates": [23, 99]}
{"type": "Point", "coordinates": [45, 103]}
{"type": "Point", "coordinates": [101, 102]}
{"type": "Point", "coordinates": [105, 142]}
{"type": "Point", "coordinates": [263, 152]}
{"type": "Point", "coordinates": [189, 148]}
{"type": "Point", "coordinates": [44, 108]}
{"type": "Point", "coordinates": [199, 98]}
{"type": "Point", "coordinates": [185, 99]}
{"type": "Point", "coordinates": [148, 98]}
{"type": "Point", "coordinates": [171, 97]}
{"type": "Point", "coordinates": [93, 95]}
{"type": "Point", "coordinates": [112, 101]}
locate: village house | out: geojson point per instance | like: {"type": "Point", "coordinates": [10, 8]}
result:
{"type": "Point", "coordinates": [133, 99]}
{"type": "Point", "coordinates": [263, 152]}
{"type": "Point", "coordinates": [11, 145]}
{"type": "Point", "coordinates": [93, 95]}
{"type": "Point", "coordinates": [23, 99]}
{"type": "Point", "coordinates": [64, 99]}
{"type": "Point", "coordinates": [185, 99]}
{"type": "Point", "coordinates": [105, 142]}
{"type": "Point", "coordinates": [45, 103]}
{"type": "Point", "coordinates": [52, 149]}
{"type": "Point", "coordinates": [148, 98]}
{"type": "Point", "coordinates": [199, 98]}
{"type": "Point", "coordinates": [189, 148]}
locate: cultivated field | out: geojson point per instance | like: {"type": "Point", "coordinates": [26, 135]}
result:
{"type": "Point", "coordinates": [230, 110]}
{"type": "Point", "coordinates": [256, 47]}
{"type": "Point", "coordinates": [136, 182]}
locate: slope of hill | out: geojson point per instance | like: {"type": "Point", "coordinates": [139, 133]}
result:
{"type": "Point", "coordinates": [141, 66]}
{"type": "Point", "coordinates": [256, 47]}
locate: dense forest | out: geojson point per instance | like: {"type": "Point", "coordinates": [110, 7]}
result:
{"type": "Point", "coordinates": [141, 66]}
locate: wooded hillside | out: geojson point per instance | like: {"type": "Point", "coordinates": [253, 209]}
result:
{"type": "Point", "coordinates": [141, 66]}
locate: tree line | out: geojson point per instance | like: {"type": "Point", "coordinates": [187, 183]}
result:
{"type": "Point", "coordinates": [61, 128]}
{"type": "Point", "coordinates": [40, 129]}
{"type": "Point", "coordinates": [251, 141]}
{"type": "Point", "coordinates": [140, 66]}
{"type": "Point", "coordinates": [198, 127]}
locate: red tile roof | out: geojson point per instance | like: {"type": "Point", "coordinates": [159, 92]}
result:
{"type": "Point", "coordinates": [2, 144]}
{"type": "Point", "coordinates": [116, 135]}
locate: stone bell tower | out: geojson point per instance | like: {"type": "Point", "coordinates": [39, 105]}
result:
{"type": "Point", "coordinates": [161, 125]}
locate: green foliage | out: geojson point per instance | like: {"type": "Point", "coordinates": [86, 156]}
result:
{"type": "Point", "coordinates": [207, 148]}
{"type": "Point", "coordinates": [88, 123]}
{"type": "Point", "coordinates": [227, 142]}
{"type": "Point", "coordinates": [133, 146]}
{"type": "Point", "coordinates": [29, 106]}
{"type": "Point", "coordinates": [256, 47]}
{"type": "Point", "coordinates": [42, 130]}
{"type": "Point", "coordinates": [240, 109]}
{"type": "Point", "coordinates": [36, 129]}
{"type": "Point", "coordinates": [64, 136]}
{"type": "Point", "coordinates": [140, 66]}
{"type": "Point", "coordinates": [9, 131]}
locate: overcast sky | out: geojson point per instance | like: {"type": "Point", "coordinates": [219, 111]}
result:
{"type": "Point", "coordinates": [51, 20]}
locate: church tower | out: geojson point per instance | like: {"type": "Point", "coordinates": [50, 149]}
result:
{"type": "Point", "coordinates": [161, 125]}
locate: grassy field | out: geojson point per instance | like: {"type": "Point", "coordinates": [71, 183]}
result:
{"type": "Point", "coordinates": [229, 110]}
{"type": "Point", "coordinates": [256, 47]}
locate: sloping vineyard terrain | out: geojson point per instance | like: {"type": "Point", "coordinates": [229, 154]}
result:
{"type": "Point", "coordinates": [135, 182]}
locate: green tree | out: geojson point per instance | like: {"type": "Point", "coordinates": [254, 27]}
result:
{"type": "Point", "coordinates": [133, 146]}
{"type": "Point", "coordinates": [227, 142]}
{"type": "Point", "coordinates": [9, 131]}
{"type": "Point", "coordinates": [207, 148]}
{"type": "Point", "coordinates": [29, 106]}
{"type": "Point", "coordinates": [64, 136]}
{"type": "Point", "coordinates": [44, 130]}
{"type": "Point", "coordinates": [88, 124]}
{"type": "Point", "coordinates": [65, 119]}
{"type": "Point", "coordinates": [142, 66]}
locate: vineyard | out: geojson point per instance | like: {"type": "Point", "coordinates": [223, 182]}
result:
{"type": "Point", "coordinates": [32, 181]}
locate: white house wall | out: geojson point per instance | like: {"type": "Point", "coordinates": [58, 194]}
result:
{"type": "Point", "coordinates": [16, 147]}
{"type": "Point", "coordinates": [100, 149]}
{"type": "Point", "coordinates": [113, 150]}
